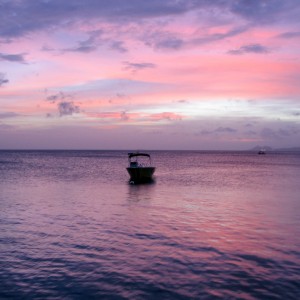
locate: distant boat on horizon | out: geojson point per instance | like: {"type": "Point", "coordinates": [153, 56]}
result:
{"type": "Point", "coordinates": [261, 151]}
{"type": "Point", "coordinates": [140, 171]}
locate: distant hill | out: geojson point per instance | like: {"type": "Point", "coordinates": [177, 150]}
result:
{"type": "Point", "coordinates": [258, 147]}
{"type": "Point", "coordinates": [268, 148]}
{"type": "Point", "coordinates": [292, 149]}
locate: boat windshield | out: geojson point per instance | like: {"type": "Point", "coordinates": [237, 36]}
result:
{"type": "Point", "coordinates": [137, 160]}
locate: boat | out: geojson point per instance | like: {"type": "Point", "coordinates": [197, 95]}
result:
{"type": "Point", "coordinates": [262, 151]}
{"type": "Point", "coordinates": [140, 167]}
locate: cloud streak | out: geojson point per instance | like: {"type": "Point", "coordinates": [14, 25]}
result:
{"type": "Point", "coordinates": [19, 58]}
{"type": "Point", "coordinates": [3, 80]}
{"type": "Point", "coordinates": [252, 48]}
{"type": "Point", "coordinates": [134, 67]}
{"type": "Point", "coordinates": [290, 35]}
{"type": "Point", "coordinates": [219, 130]}
{"type": "Point", "coordinates": [7, 115]}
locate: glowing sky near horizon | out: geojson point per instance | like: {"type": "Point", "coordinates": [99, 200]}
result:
{"type": "Point", "coordinates": [139, 74]}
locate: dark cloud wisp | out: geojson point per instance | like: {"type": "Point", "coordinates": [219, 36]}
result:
{"type": "Point", "coordinates": [252, 48]}
{"type": "Point", "coordinates": [290, 35]}
{"type": "Point", "coordinates": [3, 80]}
{"type": "Point", "coordinates": [13, 57]}
{"type": "Point", "coordinates": [219, 130]}
{"type": "Point", "coordinates": [6, 115]}
{"type": "Point", "coordinates": [138, 66]}
{"type": "Point", "coordinates": [67, 108]}
{"type": "Point", "coordinates": [60, 96]}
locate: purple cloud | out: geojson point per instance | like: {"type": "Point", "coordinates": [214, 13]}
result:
{"type": "Point", "coordinates": [170, 42]}
{"type": "Point", "coordinates": [6, 127]}
{"type": "Point", "coordinates": [217, 131]}
{"type": "Point", "coordinates": [39, 15]}
{"type": "Point", "coordinates": [118, 46]}
{"type": "Point", "coordinates": [88, 45]}
{"type": "Point", "coordinates": [137, 66]}
{"type": "Point", "coordinates": [6, 115]}
{"type": "Point", "coordinates": [13, 57]}
{"type": "Point", "coordinates": [17, 18]}
{"type": "Point", "coordinates": [264, 12]}
{"type": "Point", "coordinates": [280, 133]}
{"type": "Point", "coordinates": [124, 116]}
{"type": "Point", "coordinates": [182, 101]}
{"type": "Point", "coordinates": [66, 108]}
{"type": "Point", "coordinates": [220, 36]}
{"type": "Point", "coordinates": [225, 129]}
{"type": "Point", "coordinates": [252, 48]}
{"type": "Point", "coordinates": [290, 35]}
{"type": "Point", "coordinates": [57, 97]}
{"type": "Point", "coordinates": [81, 48]}
{"type": "Point", "coordinates": [3, 80]}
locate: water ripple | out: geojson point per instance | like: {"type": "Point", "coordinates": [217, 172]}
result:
{"type": "Point", "coordinates": [213, 226]}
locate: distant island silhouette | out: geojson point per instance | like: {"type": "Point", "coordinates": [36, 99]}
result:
{"type": "Point", "coordinates": [268, 148]}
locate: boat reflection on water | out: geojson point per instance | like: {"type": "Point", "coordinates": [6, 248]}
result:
{"type": "Point", "coordinates": [140, 168]}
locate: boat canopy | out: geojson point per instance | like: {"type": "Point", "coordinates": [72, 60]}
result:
{"type": "Point", "coordinates": [137, 154]}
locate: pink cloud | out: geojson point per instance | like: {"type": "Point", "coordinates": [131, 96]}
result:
{"type": "Point", "coordinates": [166, 116]}
{"type": "Point", "coordinates": [139, 117]}
{"type": "Point", "coordinates": [114, 71]}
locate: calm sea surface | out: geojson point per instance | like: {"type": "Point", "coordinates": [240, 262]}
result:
{"type": "Point", "coordinates": [213, 225]}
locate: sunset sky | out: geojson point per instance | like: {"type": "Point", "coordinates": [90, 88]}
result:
{"type": "Point", "coordinates": [159, 74]}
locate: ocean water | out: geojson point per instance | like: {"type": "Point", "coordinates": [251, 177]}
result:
{"type": "Point", "coordinates": [212, 225]}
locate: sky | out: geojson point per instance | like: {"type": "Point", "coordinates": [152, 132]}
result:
{"type": "Point", "coordinates": [159, 74]}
